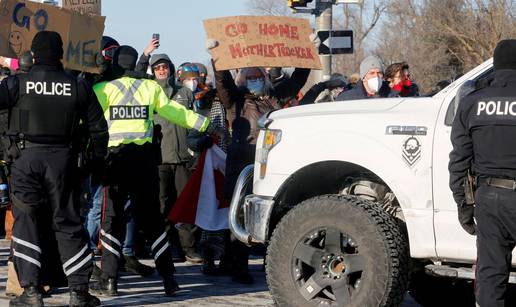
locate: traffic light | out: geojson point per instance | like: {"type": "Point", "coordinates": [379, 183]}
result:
{"type": "Point", "coordinates": [298, 3]}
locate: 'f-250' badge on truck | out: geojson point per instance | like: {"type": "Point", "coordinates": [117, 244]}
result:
{"type": "Point", "coordinates": [411, 150]}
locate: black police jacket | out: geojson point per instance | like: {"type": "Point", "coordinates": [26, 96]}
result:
{"type": "Point", "coordinates": [48, 90]}
{"type": "Point", "coordinates": [484, 133]}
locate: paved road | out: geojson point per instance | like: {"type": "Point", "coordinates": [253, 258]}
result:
{"type": "Point", "coordinates": [197, 289]}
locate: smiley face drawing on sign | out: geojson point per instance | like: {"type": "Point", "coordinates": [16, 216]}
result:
{"type": "Point", "coordinates": [411, 151]}
{"type": "Point", "coordinates": [16, 42]}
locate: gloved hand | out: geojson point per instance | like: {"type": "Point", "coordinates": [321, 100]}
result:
{"type": "Point", "coordinates": [466, 218]}
{"type": "Point", "coordinates": [334, 83]}
{"type": "Point", "coordinates": [219, 133]}
{"type": "Point", "coordinates": [211, 43]}
{"type": "Point", "coordinates": [314, 38]}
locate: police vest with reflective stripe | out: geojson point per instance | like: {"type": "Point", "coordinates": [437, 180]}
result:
{"type": "Point", "coordinates": [128, 111]}
{"type": "Point", "coordinates": [47, 109]}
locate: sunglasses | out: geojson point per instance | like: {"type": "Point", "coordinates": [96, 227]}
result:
{"type": "Point", "coordinates": [161, 67]}
{"type": "Point", "coordinates": [109, 52]}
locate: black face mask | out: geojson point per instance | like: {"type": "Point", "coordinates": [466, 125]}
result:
{"type": "Point", "coordinates": [102, 63]}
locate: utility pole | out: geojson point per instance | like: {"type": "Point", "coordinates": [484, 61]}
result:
{"type": "Point", "coordinates": [324, 22]}
{"type": "Point", "coordinates": [323, 12]}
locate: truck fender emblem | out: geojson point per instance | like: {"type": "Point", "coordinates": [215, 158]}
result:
{"type": "Point", "coordinates": [411, 151]}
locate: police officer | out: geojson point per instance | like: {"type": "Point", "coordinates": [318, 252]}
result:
{"type": "Point", "coordinates": [483, 137]}
{"type": "Point", "coordinates": [45, 107]}
{"type": "Point", "coordinates": [132, 172]}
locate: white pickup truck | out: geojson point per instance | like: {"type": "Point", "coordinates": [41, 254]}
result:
{"type": "Point", "coordinates": [346, 194]}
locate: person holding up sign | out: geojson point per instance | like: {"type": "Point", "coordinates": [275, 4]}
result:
{"type": "Point", "coordinates": [246, 98]}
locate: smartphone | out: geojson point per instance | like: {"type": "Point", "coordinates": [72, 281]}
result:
{"type": "Point", "coordinates": [156, 36]}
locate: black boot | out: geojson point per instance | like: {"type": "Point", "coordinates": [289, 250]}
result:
{"type": "Point", "coordinates": [96, 273]}
{"type": "Point", "coordinates": [134, 266]}
{"type": "Point", "coordinates": [83, 299]}
{"type": "Point", "coordinates": [29, 298]}
{"type": "Point", "coordinates": [105, 287]}
{"type": "Point", "coordinates": [171, 286]}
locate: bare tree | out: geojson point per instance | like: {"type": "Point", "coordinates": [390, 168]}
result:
{"type": "Point", "coordinates": [269, 7]}
{"type": "Point", "coordinates": [363, 19]}
{"type": "Point", "coordinates": [444, 38]}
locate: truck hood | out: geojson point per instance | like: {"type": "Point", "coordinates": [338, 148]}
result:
{"type": "Point", "coordinates": [341, 107]}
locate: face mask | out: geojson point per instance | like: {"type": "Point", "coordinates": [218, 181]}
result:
{"type": "Point", "coordinates": [190, 84]}
{"type": "Point", "coordinates": [255, 86]}
{"type": "Point", "coordinates": [374, 84]}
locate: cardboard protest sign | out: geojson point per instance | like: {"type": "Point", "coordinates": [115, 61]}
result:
{"type": "Point", "coordinates": [21, 20]}
{"type": "Point", "coordinates": [92, 7]}
{"type": "Point", "coordinates": [267, 41]}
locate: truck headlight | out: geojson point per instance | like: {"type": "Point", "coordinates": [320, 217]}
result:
{"type": "Point", "coordinates": [271, 138]}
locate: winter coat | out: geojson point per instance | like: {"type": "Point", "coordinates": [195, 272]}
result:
{"type": "Point", "coordinates": [170, 138]}
{"type": "Point", "coordinates": [243, 111]}
{"type": "Point", "coordinates": [359, 92]}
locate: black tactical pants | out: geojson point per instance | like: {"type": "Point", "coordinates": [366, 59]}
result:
{"type": "Point", "coordinates": [133, 174]}
{"type": "Point", "coordinates": [172, 180]}
{"type": "Point", "coordinates": [495, 214]}
{"type": "Point", "coordinates": [43, 183]}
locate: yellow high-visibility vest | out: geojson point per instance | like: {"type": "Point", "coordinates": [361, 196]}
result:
{"type": "Point", "coordinates": [129, 105]}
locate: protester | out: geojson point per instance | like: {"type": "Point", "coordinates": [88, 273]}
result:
{"type": "Point", "coordinates": [246, 98]}
{"type": "Point", "coordinates": [398, 76]}
{"type": "Point", "coordinates": [212, 241]}
{"type": "Point", "coordinates": [371, 84]}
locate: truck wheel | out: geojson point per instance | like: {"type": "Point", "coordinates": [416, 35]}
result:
{"type": "Point", "coordinates": [337, 250]}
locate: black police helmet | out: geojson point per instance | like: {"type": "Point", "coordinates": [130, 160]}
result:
{"type": "Point", "coordinates": [505, 55]}
{"type": "Point", "coordinates": [125, 58]}
{"type": "Point", "coordinates": [47, 45]}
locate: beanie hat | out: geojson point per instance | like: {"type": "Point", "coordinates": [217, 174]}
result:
{"type": "Point", "coordinates": [371, 62]}
{"type": "Point", "coordinates": [125, 58]}
{"type": "Point", "coordinates": [47, 45]}
{"type": "Point", "coordinates": [108, 41]}
{"type": "Point", "coordinates": [505, 55]}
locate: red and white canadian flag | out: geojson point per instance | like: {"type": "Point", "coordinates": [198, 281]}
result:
{"type": "Point", "coordinates": [202, 200]}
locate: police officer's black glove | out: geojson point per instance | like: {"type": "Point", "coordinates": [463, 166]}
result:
{"type": "Point", "coordinates": [466, 218]}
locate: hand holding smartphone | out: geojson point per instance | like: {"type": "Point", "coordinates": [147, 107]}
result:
{"type": "Point", "coordinates": [156, 37]}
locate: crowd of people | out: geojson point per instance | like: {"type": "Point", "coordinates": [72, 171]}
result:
{"type": "Point", "coordinates": [121, 145]}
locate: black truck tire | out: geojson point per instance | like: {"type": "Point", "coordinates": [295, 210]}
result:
{"type": "Point", "coordinates": [338, 250]}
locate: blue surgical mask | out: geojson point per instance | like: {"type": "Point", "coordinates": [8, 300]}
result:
{"type": "Point", "coordinates": [256, 86]}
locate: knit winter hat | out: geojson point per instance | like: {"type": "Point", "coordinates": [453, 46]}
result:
{"type": "Point", "coordinates": [371, 62]}
{"type": "Point", "coordinates": [47, 45]}
{"type": "Point", "coordinates": [125, 57]}
{"type": "Point", "coordinates": [505, 55]}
